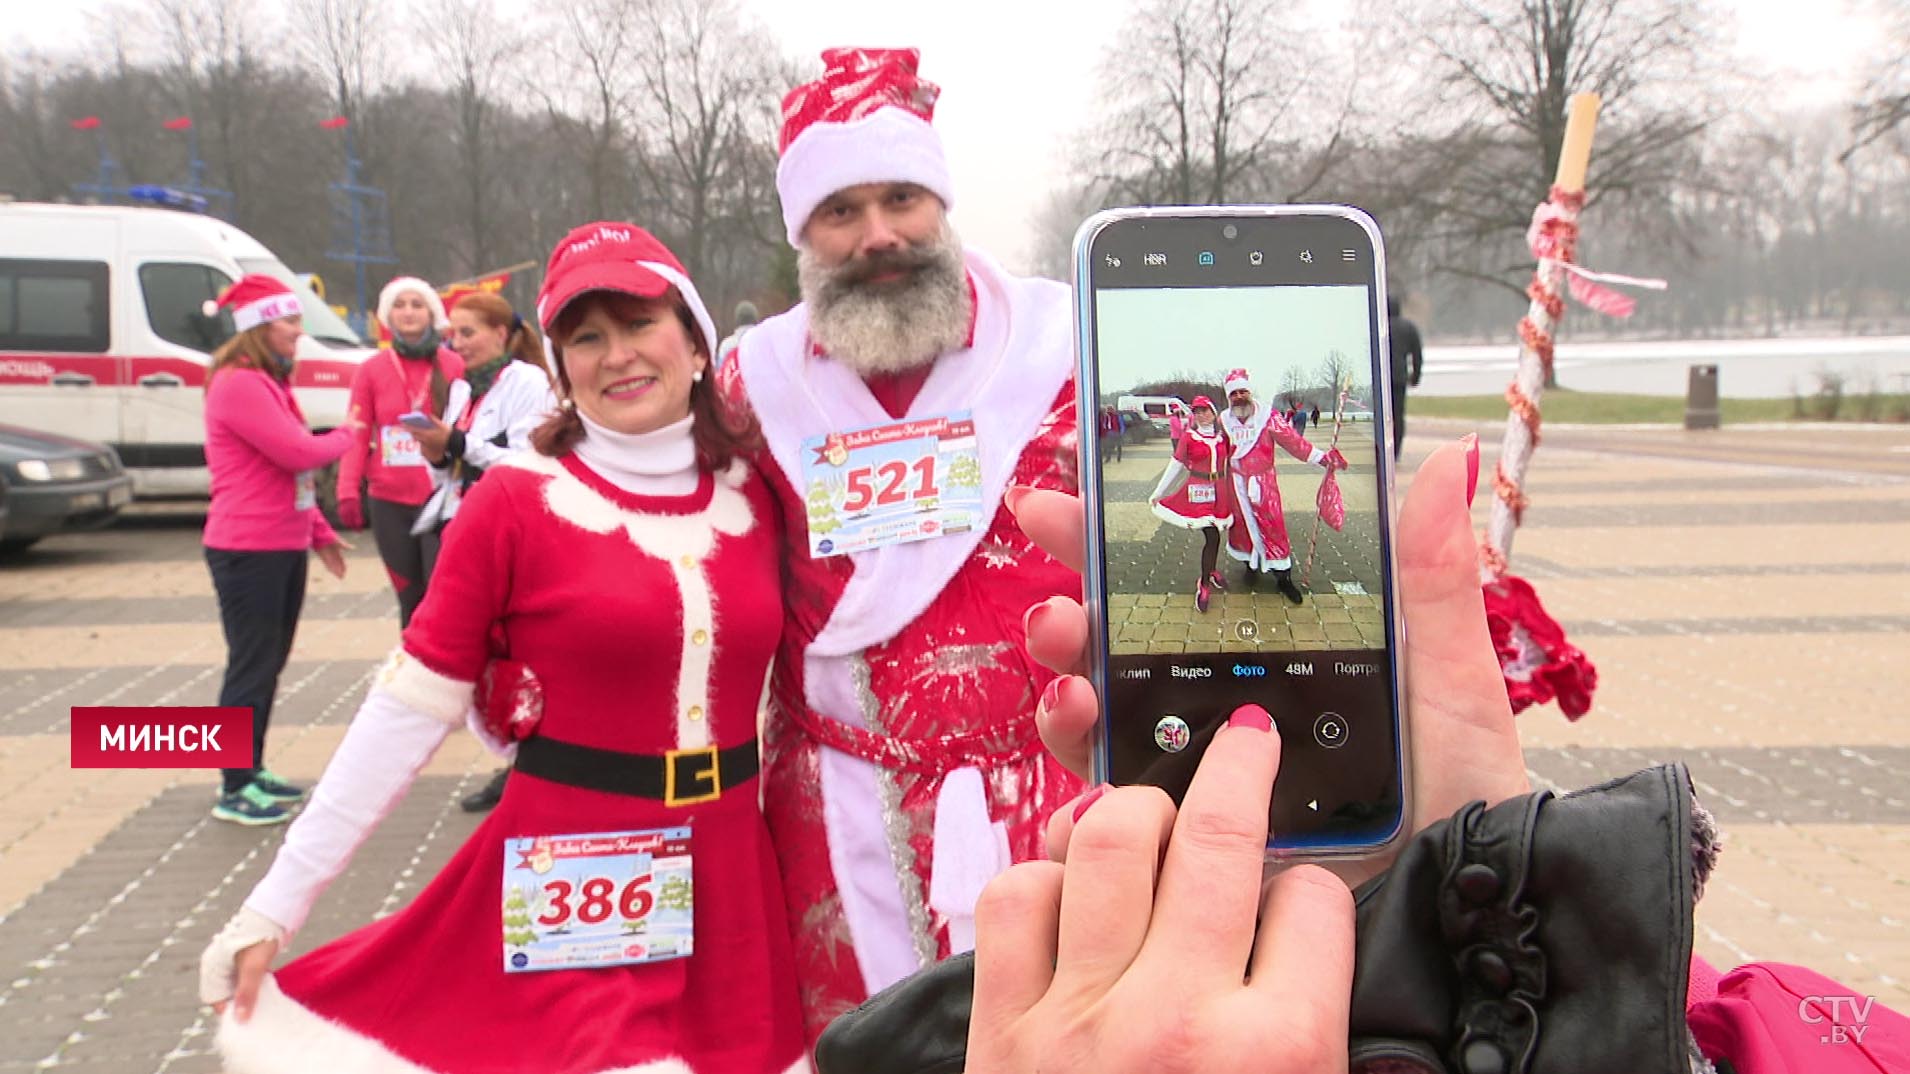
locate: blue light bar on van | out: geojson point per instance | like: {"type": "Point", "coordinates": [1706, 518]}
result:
{"type": "Point", "coordinates": [166, 197]}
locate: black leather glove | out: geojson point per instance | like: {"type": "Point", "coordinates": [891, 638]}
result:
{"type": "Point", "coordinates": [1543, 935]}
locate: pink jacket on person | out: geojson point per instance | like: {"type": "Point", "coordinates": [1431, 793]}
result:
{"type": "Point", "coordinates": [257, 445]}
{"type": "Point", "coordinates": [382, 390]}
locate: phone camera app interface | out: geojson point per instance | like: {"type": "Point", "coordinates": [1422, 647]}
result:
{"type": "Point", "coordinates": [1242, 532]}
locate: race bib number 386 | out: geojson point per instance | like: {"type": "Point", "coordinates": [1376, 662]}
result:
{"type": "Point", "coordinates": [890, 484]}
{"type": "Point", "coordinates": [597, 899]}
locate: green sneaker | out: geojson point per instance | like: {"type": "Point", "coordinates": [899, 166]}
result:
{"type": "Point", "coordinates": [251, 807]}
{"type": "Point", "coordinates": [277, 789]}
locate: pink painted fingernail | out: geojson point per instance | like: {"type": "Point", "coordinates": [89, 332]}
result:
{"type": "Point", "coordinates": [1251, 716]}
{"type": "Point", "coordinates": [1012, 497]}
{"type": "Point", "coordinates": [1051, 695]}
{"type": "Point", "coordinates": [1087, 800]}
{"type": "Point", "coordinates": [1471, 440]}
{"type": "Point", "coordinates": [1032, 618]}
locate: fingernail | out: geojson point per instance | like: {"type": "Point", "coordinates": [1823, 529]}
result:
{"type": "Point", "coordinates": [1032, 618]}
{"type": "Point", "coordinates": [1013, 496]}
{"type": "Point", "coordinates": [1251, 716]}
{"type": "Point", "coordinates": [1087, 800]}
{"type": "Point", "coordinates": [1471, 440]}
{"type": "Point", "coordinates": [1051, 695]}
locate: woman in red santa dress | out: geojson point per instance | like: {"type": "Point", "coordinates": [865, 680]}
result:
{"type": "Point", "coordinates": [1194, 492]}
{"type": "Point", "coordinates": [617, 592]}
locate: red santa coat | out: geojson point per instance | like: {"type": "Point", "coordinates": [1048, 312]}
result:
{"type": "Point", "coordinates": [1206, 497]}
{"type": "Point", "coordinates": [649, 623]}
{"type": "Point", "coordinates": [902, 765]}
{"type": "Point", "coordinates": [1260, 541]}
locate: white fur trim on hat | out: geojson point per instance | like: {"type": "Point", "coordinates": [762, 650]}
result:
{"type": "Point", "coordinates": [695, 301]}
{"type": "Point", "coordinates": [269, 308]}
{"type": "Point", "coordinates": [398, 286]}
{"type": "Point", "coordinates": [889, 145]}
{"type": "Point", "coordinates": [1238, 381]}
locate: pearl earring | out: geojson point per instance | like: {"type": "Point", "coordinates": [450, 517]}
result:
{"type": "Point", "coordinates": [697, 376]}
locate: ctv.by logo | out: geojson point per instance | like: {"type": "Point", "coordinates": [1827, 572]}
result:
{"type": "Point", "coordinates": [1812, 1010]}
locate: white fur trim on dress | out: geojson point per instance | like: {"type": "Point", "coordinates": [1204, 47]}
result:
{"type": "Point", "coordinates": [439, 696]}
{"type": "Point", "coordinates": [684, 542]}
{"type": "Point", "coordinates": [284, 1037]}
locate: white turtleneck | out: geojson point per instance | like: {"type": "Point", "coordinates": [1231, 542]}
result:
{"type": "Point", "coordinates": [659, 463]}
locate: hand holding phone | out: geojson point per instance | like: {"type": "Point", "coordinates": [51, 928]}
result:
{"type": "Point", "coordinates": [416, 419]}
{"type": "Point", "coordinates": [1227, 592]}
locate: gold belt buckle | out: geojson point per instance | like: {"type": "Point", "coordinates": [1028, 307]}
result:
{"type": "Point", "coordinates": [711, 773]}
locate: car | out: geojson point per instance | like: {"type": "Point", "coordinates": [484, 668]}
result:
{"type": "Point", "coordinates": [56, 484]}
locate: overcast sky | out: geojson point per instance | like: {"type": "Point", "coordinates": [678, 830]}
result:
{"type": "Point", "coordinates": [1019, 77]}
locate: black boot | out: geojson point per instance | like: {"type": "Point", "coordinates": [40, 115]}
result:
{"type": "Point", "coordinates": [485, 798]}
{"type": "Point", "coordinates": [1250, 581]}
{"type": "Point", "coordinates": [1284, 580]}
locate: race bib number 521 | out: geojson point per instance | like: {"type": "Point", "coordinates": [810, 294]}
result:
{"type": "Point", "coordinates": [890, 484]}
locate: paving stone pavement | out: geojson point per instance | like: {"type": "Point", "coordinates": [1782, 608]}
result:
{"type": "Point", "coordinates": [1748, 619]}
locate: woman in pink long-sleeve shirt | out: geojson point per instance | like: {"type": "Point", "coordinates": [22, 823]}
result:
{"type": "Point", "coordinates": [263, 522]}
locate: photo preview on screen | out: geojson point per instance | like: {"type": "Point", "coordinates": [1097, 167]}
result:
{"type": "Point", "coordinates": [1243, 550]}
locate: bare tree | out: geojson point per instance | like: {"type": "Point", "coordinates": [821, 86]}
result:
{"type": "Point", "coordinates": [1885, 104]}
{"type": "Point", "coordinates": [1205, 104]}
{"type": "Point", "coordinates": [344, 43]}
{"type": "Point", "coordinates": [594, 109]}
{"type": "Point", "coordinates": [467, 40]}
{"type": "Point", "coordinates": [710, 82]}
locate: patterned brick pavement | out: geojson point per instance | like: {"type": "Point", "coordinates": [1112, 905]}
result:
{"type": "Point", "coordinates": [1748, 618]}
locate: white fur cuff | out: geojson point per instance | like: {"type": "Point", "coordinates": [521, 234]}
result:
{"type": "Point", "coordinates": [408, 681]}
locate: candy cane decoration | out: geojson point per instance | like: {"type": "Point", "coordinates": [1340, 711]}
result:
{"type": "Point", "coordinates": [1306, 576]}
{"type": "Point", "coordinates": [1554, 241]}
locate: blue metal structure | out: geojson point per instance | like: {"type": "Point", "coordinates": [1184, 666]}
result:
{"type": "Point", "coordinates": [109, 186]}
{"type": "Point", "coordinates": [361, 231]}
{"type": "Point", "coordinates": [210, 199]}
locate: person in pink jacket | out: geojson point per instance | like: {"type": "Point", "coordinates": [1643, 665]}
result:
{"type": "Point", "coordinates": [262, 522]}
{"type": "Point", "coordinates": [412, 376]}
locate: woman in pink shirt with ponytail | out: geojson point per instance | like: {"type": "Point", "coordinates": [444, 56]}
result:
{"type": "Point", "coordinates": [263, 521]}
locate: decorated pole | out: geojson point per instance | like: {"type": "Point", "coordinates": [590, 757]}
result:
{"type": "Point", "coordinates": [1313, 539]}
{"type": "Point", "coordinates": [1554, 239]}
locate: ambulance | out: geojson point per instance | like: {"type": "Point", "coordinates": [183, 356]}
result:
{"type": "Point", "coordinates": [103, 335]}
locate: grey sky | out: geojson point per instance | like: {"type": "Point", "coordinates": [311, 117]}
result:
{"type": "Point", "coordinates": [1020, 77]}
{"type": "Point", "coordinates": [1151, 334]}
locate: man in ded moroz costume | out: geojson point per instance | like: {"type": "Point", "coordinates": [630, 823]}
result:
{"type": "Point", "coordinates": [1259, 539]}
{"type": "Point", "coordinates": [903, 769]}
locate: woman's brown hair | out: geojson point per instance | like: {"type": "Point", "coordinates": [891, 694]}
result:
{"type": "Point", "coordinates": [521, 341]}
{"type": "Point", "coordinates": [247, 350]}
{"type": "Point", "coordinates": [721, 431]}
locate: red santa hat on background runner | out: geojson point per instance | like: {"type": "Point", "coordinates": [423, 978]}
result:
{"type": "Point", "coordinates": [1237, 381]}
{"type": "Point", "coordinates": [866, 120]}
{"type": "Point", "coordinates": [254, 300]}
{"type": "Point", "coordinates": [1201, 401]}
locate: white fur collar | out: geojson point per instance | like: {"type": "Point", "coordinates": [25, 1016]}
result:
{"type": "Point", "coordinates": [1245, 434]}
{"type": "Point", "coordinates": [665, 536]}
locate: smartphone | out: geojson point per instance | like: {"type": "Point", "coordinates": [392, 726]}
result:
{"type": "Point", "coordinates": [416, 419]}
{"type": "Point", "coordinates": [1209, 581]}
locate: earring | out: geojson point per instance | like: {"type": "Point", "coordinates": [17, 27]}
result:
{"type": "Point", "coordinates": [567, 403]}
{"type": "Point", "coordinates": [697, 376]}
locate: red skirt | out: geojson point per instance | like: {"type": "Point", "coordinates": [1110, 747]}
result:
{"type": "Point", "coordinates": [424, 991]}
{"type": "Point", "coordinates": [1201, 503]}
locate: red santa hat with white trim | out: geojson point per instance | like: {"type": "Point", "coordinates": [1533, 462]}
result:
{"type": "Point", "coordinates": [255, 299]}
{"type": "Point", "coordinates": [866, 120]}
{"type": "Point", "coordinates": [1238, 381]}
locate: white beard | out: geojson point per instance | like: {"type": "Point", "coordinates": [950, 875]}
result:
{"type": "Point", "coordinates": [891, 329]}
{"type": "Point", "coordinates": [1243, 411]}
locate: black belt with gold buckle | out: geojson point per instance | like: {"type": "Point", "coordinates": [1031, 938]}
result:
{"type": "Point", "coordinates": [677, 778]}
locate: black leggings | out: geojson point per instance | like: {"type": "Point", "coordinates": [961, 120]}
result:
{"type": "Point", "coordinates": [260, 596]}
{"type": "Point", "coordinates": [408, 559]}
{"type": "Point", "coordinates": [1209, 552]}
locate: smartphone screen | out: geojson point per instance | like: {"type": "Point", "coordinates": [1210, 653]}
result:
{"type": "Point", "coordinates": [1232, 358]}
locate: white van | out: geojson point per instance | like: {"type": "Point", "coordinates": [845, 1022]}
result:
{"type": "Point", "coordinates": [102, 335]}
{"type": "Point", "coordinates": [1159, 410]}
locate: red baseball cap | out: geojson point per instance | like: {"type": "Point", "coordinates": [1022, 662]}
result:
{"type": "Point", "coordinates": [611, 256]}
